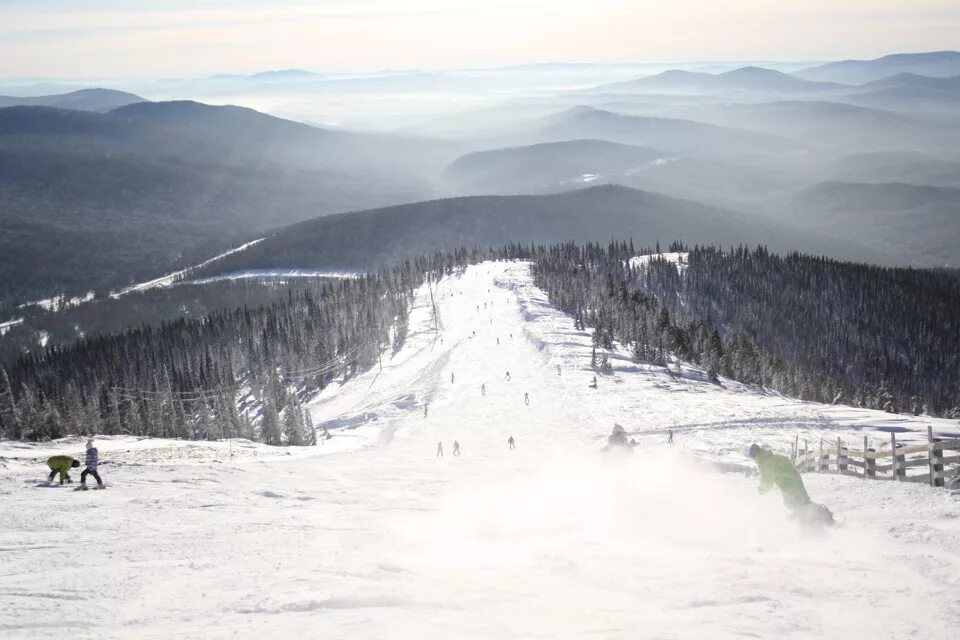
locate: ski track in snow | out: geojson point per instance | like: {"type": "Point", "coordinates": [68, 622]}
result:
{"type": "Point", "coordinates": [370, 536]}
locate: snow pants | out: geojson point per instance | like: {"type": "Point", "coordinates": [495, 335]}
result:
{"type": "Point", "coordinates": [92, 472]}
{"type": "Point", "coordinates": [64, 477]}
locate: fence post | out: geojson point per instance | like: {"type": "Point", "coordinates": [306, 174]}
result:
{"type": "Point", "coordinates": [899, 472]}
{"type": "Point", "coordinates": [806, 455]}
{"type": "Point", "coordinates": [841, 457]}
{"type": "Point", "coordinates": [865, 462]}
{"type": "Point", "coordinates": [936, 460]}
{"type": "Point", "coordinates": [820, 458]}
{"type": "Point", "coordinates": [893, 455]}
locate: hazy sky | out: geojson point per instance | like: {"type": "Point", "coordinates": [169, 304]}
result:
{"type": "Point", "coordinates": [97, 38]}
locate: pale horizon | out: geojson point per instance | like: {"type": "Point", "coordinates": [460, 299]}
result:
{"type": "Point", "coordinates": [82, 40]}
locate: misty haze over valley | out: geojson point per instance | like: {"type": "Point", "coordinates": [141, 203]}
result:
{"type": "Point", "coordinates": [853, 160]}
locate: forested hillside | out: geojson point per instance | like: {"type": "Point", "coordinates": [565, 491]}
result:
{"type": "Point", "coordinates": [215, 376]}
{"type": "Point", "coordinates": [92, 201]}
{"type": "Point", "coordinates": [368, 239]}
{"type": "Point", "coordinates": [809, 327]}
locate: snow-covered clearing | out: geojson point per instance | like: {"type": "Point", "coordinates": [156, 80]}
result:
{"type": "Point", "coordinates": [171, 278]}
{"type": "Point", "coordinates": [380, 539]}
{"type": "Point", "coordinates": [9, 324]}
{"type": "Point", "coordinates": [59, 303]}
{"type": "Point", "coordinates": [278, 275]}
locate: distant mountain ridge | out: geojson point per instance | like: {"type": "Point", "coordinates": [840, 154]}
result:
{"type": "Point", "coordinates": [99, 100]}
{"type": "Point", "coordinates": [752, 79]}
{"type": "Point", "coordinates": [670, 135]}
{"type": "Point", "coordinates": [938, 64]}
{"type": "Point", "coordinates": [91, 200]}
{"type": "Point", "coordinates": [279, 140]}
{"type": "Point", "coordinates": [368, 239]}
{"type": "Point", "coordinates": [543, 167]}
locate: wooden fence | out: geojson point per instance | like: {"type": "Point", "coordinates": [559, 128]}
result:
{"type": "Point", "coordinates": [939, 467]}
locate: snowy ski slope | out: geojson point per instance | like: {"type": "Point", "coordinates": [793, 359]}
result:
{"type": "Point", "coordinates": [372, 536]}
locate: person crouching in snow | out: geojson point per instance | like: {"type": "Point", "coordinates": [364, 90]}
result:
{"type": "Point", "coordinates": [61, 465]}
{"type": "Point", "coordinates": [778, 470]}
{"type": "Point", "coordinates": [92, 462]}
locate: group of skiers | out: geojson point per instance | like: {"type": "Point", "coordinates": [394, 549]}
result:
{"type": "Point", "coordinates": [456, 446]}
{"type": "Point", "coordinates": [63, 465]}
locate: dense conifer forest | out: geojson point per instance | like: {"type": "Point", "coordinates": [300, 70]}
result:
{"type": "Point", "coordinates": [810, 327]}
{"type": "Point", "coordinates": [237, 373]}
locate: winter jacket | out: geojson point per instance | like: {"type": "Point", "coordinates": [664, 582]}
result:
{"type": "Point", "coordinates": [93, 458]}
{"type": "Point", "coordinates": [778, 470]}
{"type": "Point", "coordinates": [62, 465]}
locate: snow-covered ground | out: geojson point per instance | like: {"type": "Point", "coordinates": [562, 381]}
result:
{"type": "Point", "coordinates": [9, 324]}
{"type": "Point", "coordinates": [381, 539]}
{"type": "Point", "coordinates": [171, 278]}
{"type": "Point", "coordinates": [278, 275]}
{"type": "Point", "coordinates": [59, 303]}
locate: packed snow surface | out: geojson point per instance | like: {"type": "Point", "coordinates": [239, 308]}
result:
{"type": "Point", "coordinates": [373, 536]}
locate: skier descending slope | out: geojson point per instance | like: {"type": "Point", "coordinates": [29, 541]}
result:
{"type": "Point", "coordinates": [778, 470]}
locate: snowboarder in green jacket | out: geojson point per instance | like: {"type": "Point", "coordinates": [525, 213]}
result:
{"type": "Point", "coordinates": [778, 470]}
{"type": "Point", "coordinates": [61, 465]}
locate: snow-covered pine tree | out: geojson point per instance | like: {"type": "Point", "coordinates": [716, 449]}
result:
{"type": "Point", "coordinates": [10, 424]}
{"type": "Point", "coordinates": [204, 424]}
{"type": "Point", "coordinates": [113, 424]}
{"type": "Point", "coordinates": [311, 434]}
{"type": "Point", "coordinates": [293, 423]}
{"type": "Point", "coordinates": [270, 419]}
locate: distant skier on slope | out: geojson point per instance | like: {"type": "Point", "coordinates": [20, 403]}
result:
{"type": "Point", "coordinates": [670, 436]}
{"type": "Point", "coordinates": [508, 376]}
{"type": "Point", "coordinates": [593, 385]}
{"type": "Point", "coordinates": [92, 462]}
{"type": "Point", "coordinates": [451, 377]}
{"type": "Point", "coordinates": [425, 409]}
{"type": "Point", "coordinates": [483, 389]}
{"type": "Point", "coordinates": [777, 470]}
{"type": "Point", "coordinates": [512, 443]}
{"type": "Point", "coordinates": [61, 465]}
{"type": "Point", "coordinates": [526, 399]}
{"type": "Point", "coordinates": [440, 449]}
{"type": "Point", "coordinates": [456, 448]}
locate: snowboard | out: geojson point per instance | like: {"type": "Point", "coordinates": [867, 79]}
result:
{"type": "Point", "coordinates": [815, 517]}
{"type": "Point", "coordinates": [94, 488]}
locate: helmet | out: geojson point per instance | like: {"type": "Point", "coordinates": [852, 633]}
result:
{"type": "Point", "coordinates": [617, 428]}
{"type": "Point", "coordinates": [754, 450]}
{"type": "Point", "coordinates": [75, 463]}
